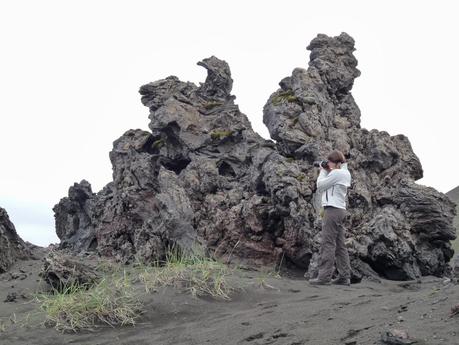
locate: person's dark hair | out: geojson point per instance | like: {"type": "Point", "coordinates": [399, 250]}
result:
{"type": "Point", "coordinates": [336, 157]}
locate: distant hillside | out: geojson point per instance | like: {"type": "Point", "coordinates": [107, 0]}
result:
{"type": "Point", "coordinates": [454, 196]}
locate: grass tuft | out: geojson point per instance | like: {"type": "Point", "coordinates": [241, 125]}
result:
{"type": "Point", "coordinates": [111, 301]}
{"type": "Point", "coordinates": [285, 97]}
{"type": "Point", "coordinates": [198, 274]}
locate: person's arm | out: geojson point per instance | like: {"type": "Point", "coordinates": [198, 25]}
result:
{"type": "Point", "coordinates": [325, 181]}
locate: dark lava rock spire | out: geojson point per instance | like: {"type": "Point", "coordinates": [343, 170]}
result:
{"type": "Point", "coordinates": [218, 83]}
{"type": "Point", "coordinates": [12, 247]}
{"type": "Point", "coordinates": [203, 176]}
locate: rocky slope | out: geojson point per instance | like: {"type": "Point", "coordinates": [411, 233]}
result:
{"type": "Point", "coordinates": [12, 247]}
{"type": "Point", "coordinates": [201, 175]}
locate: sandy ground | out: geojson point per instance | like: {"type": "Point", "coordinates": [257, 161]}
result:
{"type": "Point", "coordinates": [282, 310]}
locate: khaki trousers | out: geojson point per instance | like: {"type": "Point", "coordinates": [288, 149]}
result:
{"type": "Point", "coordinates": [332, 244]}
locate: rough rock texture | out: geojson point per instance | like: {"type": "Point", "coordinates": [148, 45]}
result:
{"type": "Point", "coordinates": [12, 247]}
{"type": "Point", "coordinates": [400, 229]}
{"type": "Point", "coordinates": [455, 267]}
{"type": "Point", "coordinates": [60, 271]}
{"type": "Point", "coordinates": [202, 175]}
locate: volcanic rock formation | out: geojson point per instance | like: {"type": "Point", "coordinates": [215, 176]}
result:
{"type": "Point", "coordinates": [202, 175]}
{"type": "Point", "coordinates": [12, 247]}
{"type": "Point", "coordinates": [62, 271]}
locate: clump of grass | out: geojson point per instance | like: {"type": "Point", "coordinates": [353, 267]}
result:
{"type": "Point", "coordinates": [111, 301]}
{"type": "Point", "coordinates": [284, 97]}
{"type": "Point", "coordinates": [262, 282]}
{"type": "Point", "coordinates": [198, 274]}
{"type": "Point", "coordinates": [261, 279]}
{"type": "Point", "coordinates": [220, 134]}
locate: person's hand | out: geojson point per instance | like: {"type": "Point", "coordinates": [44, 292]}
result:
{"type": "Point", "coordinates": [327, 169]}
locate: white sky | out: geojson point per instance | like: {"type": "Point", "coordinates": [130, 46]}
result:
{"type": "Point", "coordinates": [70, 72]}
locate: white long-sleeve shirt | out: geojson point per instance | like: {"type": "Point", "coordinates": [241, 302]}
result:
{"type": "Point", "coordinates": [333, 186]}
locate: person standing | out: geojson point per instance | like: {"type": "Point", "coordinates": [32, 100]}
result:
{"type": "Point", "coordinates": [333, 182]}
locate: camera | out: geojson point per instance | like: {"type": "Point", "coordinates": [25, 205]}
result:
{"type": "Point", "coordinates": [323, 164]}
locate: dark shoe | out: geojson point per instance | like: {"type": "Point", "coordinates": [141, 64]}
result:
{"type": "Point", "coordinates": [341, 281]}
{"type": "Point", "coordinates": [316, 281]}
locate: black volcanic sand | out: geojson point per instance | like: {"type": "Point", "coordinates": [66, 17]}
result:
{"type": "Point", "coordinates": [270, 310]}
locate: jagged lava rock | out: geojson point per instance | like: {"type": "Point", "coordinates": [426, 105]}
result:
{"type": "Point", "coordinates": [202, 175]}
{"type": "Point", "coordinates": [399, 228]}
{"type": "Point", "coordinates": [62, 271]}
{"type": "Point", "coordinates": [12, 247]}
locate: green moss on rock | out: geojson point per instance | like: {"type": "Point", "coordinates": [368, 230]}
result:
{"type": "Point", "coordinates": [216, 134]}
{"type": "Point", "coordinates": [211, 105]}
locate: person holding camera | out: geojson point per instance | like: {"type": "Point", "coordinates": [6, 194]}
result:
{"type": "Point", "coordinates": [333, 181]}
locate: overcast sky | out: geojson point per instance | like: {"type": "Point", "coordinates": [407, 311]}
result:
{"type": "Point", "coordinates": [70, 74]}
